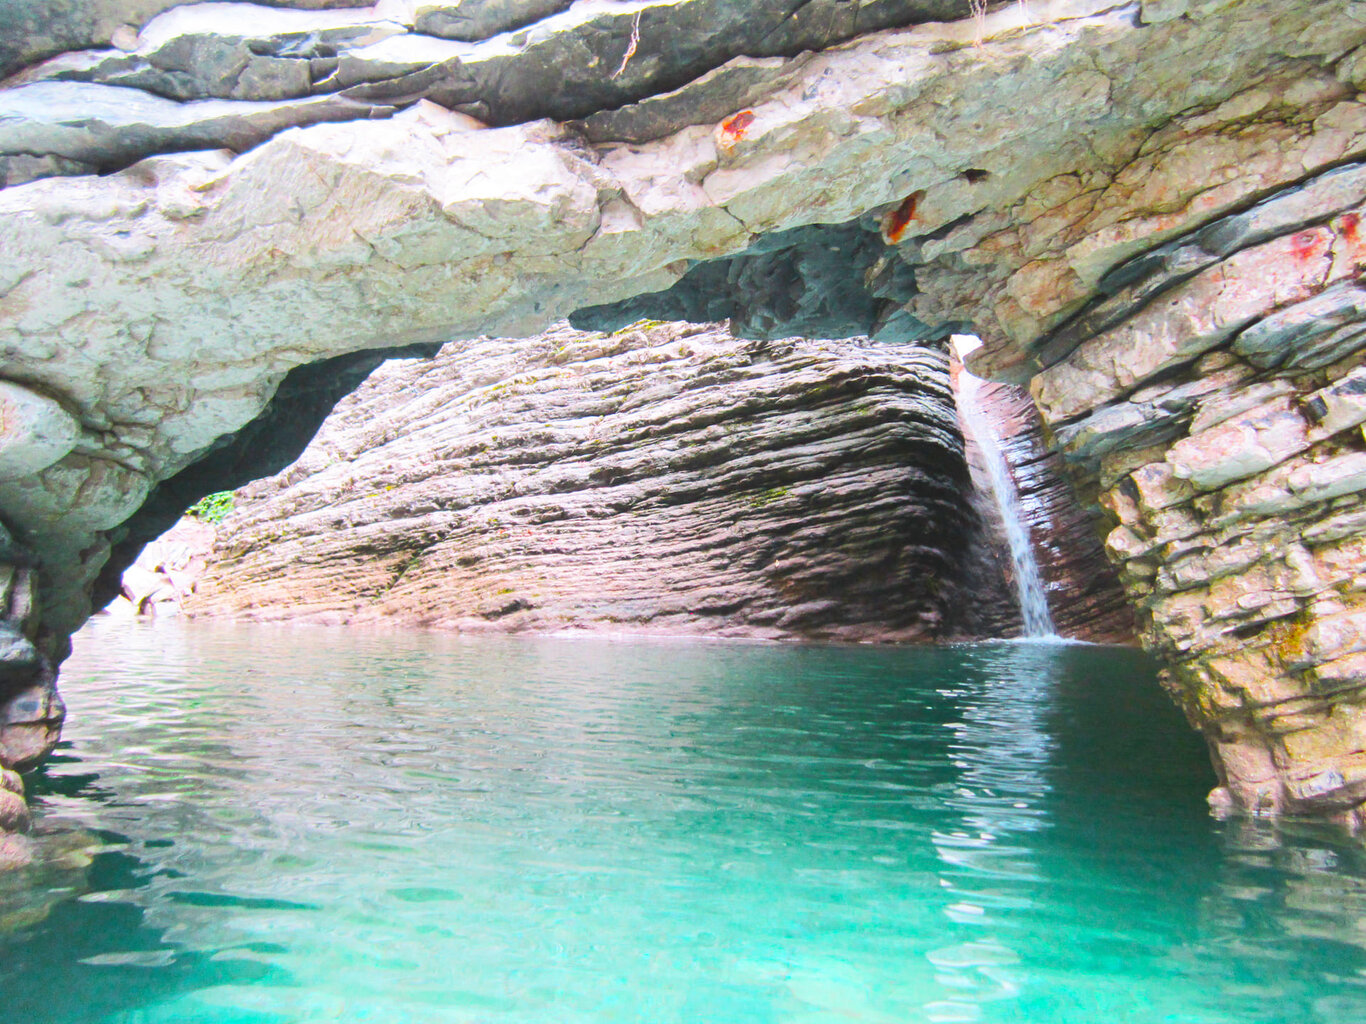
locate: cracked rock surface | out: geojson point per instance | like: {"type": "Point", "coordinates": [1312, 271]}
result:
{"type": "Point", "coordinates": [1144, 207]}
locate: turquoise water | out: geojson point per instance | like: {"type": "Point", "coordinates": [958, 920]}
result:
{"type": "Point", "coordinates": [251, 824]}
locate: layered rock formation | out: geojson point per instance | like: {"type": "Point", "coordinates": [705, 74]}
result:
{"type": "Point", "coordinates": [1214, 395]}
{"type": "Point", "coordinates": [666, 478]}
{"type": "Point", "coordinates": [1084, 596]}
{"type": "Point", "coordinates": [1091, 186]}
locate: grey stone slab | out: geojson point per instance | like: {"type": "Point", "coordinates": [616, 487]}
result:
{"type": "Point", "coordinates": [107, 127]}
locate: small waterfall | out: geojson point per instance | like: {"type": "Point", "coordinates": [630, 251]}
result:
{"type": "Point", "coordinates": [1028, 582]}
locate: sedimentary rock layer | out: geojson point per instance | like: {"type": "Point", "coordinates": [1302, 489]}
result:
{"type": "Point", "coordinates": [1214, 396]}
{"type": "Point", "coordinates": [666, 478]}
{"type": "Point", "coordinates": [1084, 595]}
{"type": "Point", "coordinates": [1078, 181]}
{"type": "Point", "coordinates": [163, 305]}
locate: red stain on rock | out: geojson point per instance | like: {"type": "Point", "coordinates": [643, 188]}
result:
{"type": "Point", "coordinates": [735, 127]}
{"type": "Point", "coordinates": [1352, 244]}
{"type": "Point", "coordinates": [895, 223]}
{"type": "Point", "coordinates": [1306, 245]}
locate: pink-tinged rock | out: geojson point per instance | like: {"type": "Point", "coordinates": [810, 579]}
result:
{"type": "Point", "coordinates": [16, 851]}
{"type": "Point", "coordinates": [1123, 543]}
{"type": "Point", "coordinates": [1240, 447]}
{"type": "Point", "coordinates": [30, 725]}
{"type": "Point", "coordinates": [1343, 559]}
{"type": "Point", "coordinates": [1251, 678]}
{"type": "Point", "coordinates": [11, 781]}
{"type": "Point", "coordinates": [1185, 322]}
{"type": "Point", "coordinates": [1339, 406]}
{"type": "Point", "coordinates": [668, 479]}
{"type": "Point", "coordinates": [1342, 474]}
{"type": "Point", "coordinates": [1239, 397]}
{"type": "Point", "coordinates": [14, 815]}
{"type": "Point", "coordinates": [1334, 636]}
{"type": "Point", "coordinates": [1199, 569]}
{"type": "Point", "coordinates": [1245, 596]}
{"type": "Point", "coordinates": [1175, 524]}
{"type": "Point", "coordinates": [1251, 773]}
{"type": "Point", "coordinates": [1120, 504]}
{"type": "Point", "coordinates": [1348, 670]}
{"type": "Point", "coordinates": [1160, 487]}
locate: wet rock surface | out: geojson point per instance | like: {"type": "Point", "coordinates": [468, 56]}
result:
{"type": "Point", "coordinates": [1085, 598]}
{"type": "Point", "coordinates": [31, 711]}
{"type": "Point", "coordinates": [668, 479]}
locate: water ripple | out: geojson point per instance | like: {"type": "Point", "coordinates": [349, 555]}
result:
{"type": "Point", "coordinates": [285, 825]}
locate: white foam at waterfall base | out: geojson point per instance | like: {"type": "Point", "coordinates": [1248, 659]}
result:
{"type": "Point", "coordinates": [1037, 621]}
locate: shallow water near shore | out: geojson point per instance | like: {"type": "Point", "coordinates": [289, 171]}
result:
{"type": "Point", "coordinates": [298, 825]}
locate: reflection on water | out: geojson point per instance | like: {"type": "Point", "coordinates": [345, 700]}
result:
{"type": "Point", "coordinates": [313, 825]}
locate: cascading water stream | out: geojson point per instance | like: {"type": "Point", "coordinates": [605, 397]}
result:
{"type": "Point", "coordinates": [1028, 581]}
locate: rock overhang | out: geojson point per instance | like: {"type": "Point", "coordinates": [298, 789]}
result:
{"type": "Point", "coordinates": [1000, 174]}
{"type": "Point", "coordinates": [426, 224]}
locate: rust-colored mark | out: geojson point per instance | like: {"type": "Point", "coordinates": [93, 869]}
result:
{"type": "Point", "coordinates": [735, 127]}
{"type": "Point", "coordinates": [1304, 244]}
{"type": "Point", "coordinates": [895, 223]}
{"type": "Point", "coordinates": [1350, 226]}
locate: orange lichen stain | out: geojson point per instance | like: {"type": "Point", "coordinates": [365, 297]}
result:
{"type": "Point", "coordinates": [894, 224]}
{"type": "Point", "coordinates": [1350, 245]}
{"type": "Point", "coordinates": [735, 127]}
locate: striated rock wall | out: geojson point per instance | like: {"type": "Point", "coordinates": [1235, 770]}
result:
{"type": "Point", "coordinates": [668, 478]}
{"type": "Point", "coordinates": [1093, 187]}
{"type": "Point", "coordinates": [1084, 594]}
{"type": "Point", "coordinates": [1150, 296]}
{"type": "Point", "coordinates": [1213, 398]}
{"type": "Point", "coordinates": [162, 306]}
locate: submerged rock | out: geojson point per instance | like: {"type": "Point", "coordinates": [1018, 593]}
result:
{"type": "Point", "coordinates": [667, 478]}
{"type": "Point", "coordinates": [13, 812]}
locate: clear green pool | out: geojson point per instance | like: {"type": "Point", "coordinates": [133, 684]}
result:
{"type": "Point", "coordinates": [293, 825]}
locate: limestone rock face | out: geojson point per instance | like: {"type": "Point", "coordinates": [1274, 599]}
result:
{"type": "Point", "coordinates": [1084, 595]}
{"type": "Point", "coordinates": [663, 479]}
{"type": "Point", "coordinates": [1211, 395]}
{"type": "Point", "coordinates": [38, 431]}
{"type": "Point", "coordinates": [1147, 208]}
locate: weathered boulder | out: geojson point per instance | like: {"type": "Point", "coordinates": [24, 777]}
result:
{"type": "Point", "coordinates": [14, 818]}
{"type": "Point", "coordinates": [166, 571]}
{"type": "Point", "coordinates": [13, 812]}
{"type": "Point", "coordinates": [666, 478]}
